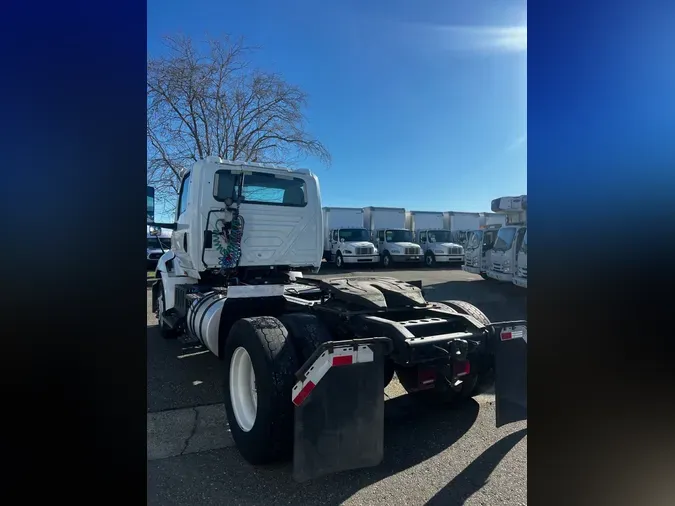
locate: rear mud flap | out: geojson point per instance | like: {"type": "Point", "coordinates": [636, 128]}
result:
{"type": "Point", "coordinates": [510, 350]}
{"type": "Point", "coordinates": [339, 408]}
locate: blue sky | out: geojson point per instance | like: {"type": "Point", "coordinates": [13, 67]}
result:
{"type": "Point", "coordinates": [421, 104]}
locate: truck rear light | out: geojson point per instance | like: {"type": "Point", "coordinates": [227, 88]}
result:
{"type": "Point", "coordinates": [462, 368]}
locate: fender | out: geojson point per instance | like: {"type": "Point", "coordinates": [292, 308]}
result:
{"type": "Point", "coordinates": [166, 273]}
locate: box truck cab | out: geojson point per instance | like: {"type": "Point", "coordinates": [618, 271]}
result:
{"type": "Point", "coordinates": [503, 256]}
{"type": "Point", "coordinates": [393, 241]}
{"type": "Point", "coordinates": [477, 251]}
{"type": "Point", "coordinates": [346, 241]}
{"type": "Point", "coordinates": [520, 277]}
{"type": "Point", "coordinates": [436, 241]}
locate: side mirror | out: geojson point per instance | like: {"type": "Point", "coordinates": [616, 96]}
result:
{"type": "Point", "coordinates": [342, 239]}
{"type": "Point", "coordinates": [151, 204]}
{"type": "Point", "coordinates": [155, 230]}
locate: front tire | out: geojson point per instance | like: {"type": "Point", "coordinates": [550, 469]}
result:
{"type": "Point", "coordinates": [339, 262]}
{"type": "Point", "coordinates": [429, 259]}
{"type": "Point", "coordinates": [258, 394]}
{"type": "Point", "coordinates": [386, 260]}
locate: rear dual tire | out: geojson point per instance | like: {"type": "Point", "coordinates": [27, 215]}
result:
{"type": "Point", "coordinates": [261, 367]}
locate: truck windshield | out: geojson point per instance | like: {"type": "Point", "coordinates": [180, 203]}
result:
{"type": "Point", "coordinates": [523, 247]}
{"type": "Point", "coordinates": [354, 234]}
{"type": "Point", "coordinates": [440, 236]}
{"type": "Point", "coordinates": [475, 239]}
{"type": "Point", "coordinates": [489, 239]}
{"type": "Point", "coordinates": [398, 236]}
{"type": "Point", "coordinates": [153, 243]}
{"type": "Point", "coordinates": [504, 238]}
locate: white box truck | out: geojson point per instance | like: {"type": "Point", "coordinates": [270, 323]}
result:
{"type": "Point", "coordinates": [436, 242]}
{"type": "Point", "coordinates": [346, 241]}
{"type": "Point", "coordinates": [505, 252]}
{"type": "Point", "coordinates": [393, 241]}
{"type": "Point", "coordinates": [460, 224]}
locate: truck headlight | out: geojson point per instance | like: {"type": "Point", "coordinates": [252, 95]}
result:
{"type": "Point", "coordinates": [439, 251]}
{"type": "Point", "coordinates": [375, 252]}
{"type": "Point", "coordinates": [396, 251]}
{"type": "Point", "coordinates": [349, 252]}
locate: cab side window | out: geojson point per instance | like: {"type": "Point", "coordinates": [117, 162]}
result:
{"type": "Point", "coordinates": [380, 235]}
{"type": "Point", "coordinates": [423, 237]}
{"type": "Point", "coordinates": [335, 235]}
{"type": "Point", "coordinates": [519, 239]}
{"type": "Point", "coordinates": [184, 196]}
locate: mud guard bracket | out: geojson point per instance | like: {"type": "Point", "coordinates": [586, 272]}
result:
{"type": "Point", "coordinates": [339, 408]}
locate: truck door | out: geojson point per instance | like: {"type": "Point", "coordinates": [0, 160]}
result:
{"type": "Point", "coordinates": [423, 240]}
{"type": "Point", "coordinates": [334, 244]}
{"type": "Point", "coordinates": [380, 240]}
{"type": "Point", "coordinates": [519, 242]}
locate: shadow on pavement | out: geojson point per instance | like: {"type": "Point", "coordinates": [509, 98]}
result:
{"type": "Point", "coordinates": [476, 474]}
{"type": "Point", "coordinates": [413, 434]}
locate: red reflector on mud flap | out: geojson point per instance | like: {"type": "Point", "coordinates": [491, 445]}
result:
{"type": "Point", "coordinates": [342, 360]}
{"type": "Point", "coordinates": [462, 368]}
{"type": "Point", "coordinates": [306, 390]}
{"type": "Point", "coordinates": [506, 335]}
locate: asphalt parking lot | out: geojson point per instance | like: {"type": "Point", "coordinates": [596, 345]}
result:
{"type": "Point", "coordinates": [432, 456]}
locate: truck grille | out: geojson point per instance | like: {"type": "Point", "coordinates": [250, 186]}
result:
{"type": "Point", "coordinates": [456, 251]}
{"type": "Point", "coordinates": [472, 262]}
{"type": "Point", "coordinates": [522, 272]}
{"type": "Point", "coordinates": [497, 267]}
{"type": "Point", "coordinates": [154, 256]}
{"type": "Point", "coordinates": [364, 251]}
{"type": "Point", "coordinates": [412, 251]}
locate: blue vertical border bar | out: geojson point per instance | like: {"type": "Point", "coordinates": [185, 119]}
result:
{"type": "Point", "coordinates": [73, 149]}
{"type": "Point", "coordinates": [601, 173]}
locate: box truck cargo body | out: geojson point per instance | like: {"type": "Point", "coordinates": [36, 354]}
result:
{"type": "Point", "coordinates": [493, 219]}
{"type": "Point", "coordinates": [393, 241]}
{"type": "Point", "coordinates": [346, 241]}
{"type": "Point", "coordinates": [429, 232]}
{"type": "Point", "coordinates": [460, 224]}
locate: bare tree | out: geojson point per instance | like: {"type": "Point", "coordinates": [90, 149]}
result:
{"type": "Point", "coordinates": [216, 104]}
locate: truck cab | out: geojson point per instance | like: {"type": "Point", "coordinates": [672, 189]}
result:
{"type": "Point", "coordinates": [520, 276]}
{"type": "Point", "coordinates": [346, 241]}
{"type": "Point", "coordinates": [278, 225]}
{"type": "Point", "coordinates": [438, 246]}
{"type": "Point", "coordinates": [503, 256]}
{"type": "Point", "coordinates": [477, 251]}
{"type": "Point", "coordinates": [396, 245]}
{"type": "Point", "coordinates": [351, 246]}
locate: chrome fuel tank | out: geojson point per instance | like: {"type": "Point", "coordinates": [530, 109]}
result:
{"type": "Point", "coordinates": [203, 319]}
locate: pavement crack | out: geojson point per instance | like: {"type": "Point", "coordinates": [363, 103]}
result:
{"type": "Point", "coordinates": [192, 432]}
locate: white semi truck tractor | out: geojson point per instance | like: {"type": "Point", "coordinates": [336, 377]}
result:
{"type": "Point", "coordinates": [460, 224]}
{"type": "Point", "coordinates": [428, 228]}
{"type": "Point", "coordinates": [394, 242]}
{"type": "Point", "coordinates": [306, 360]}
{"type": "Point", "coordinates": [345, 239]}
{"type": "Point", "coordinates": [505, 252]}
